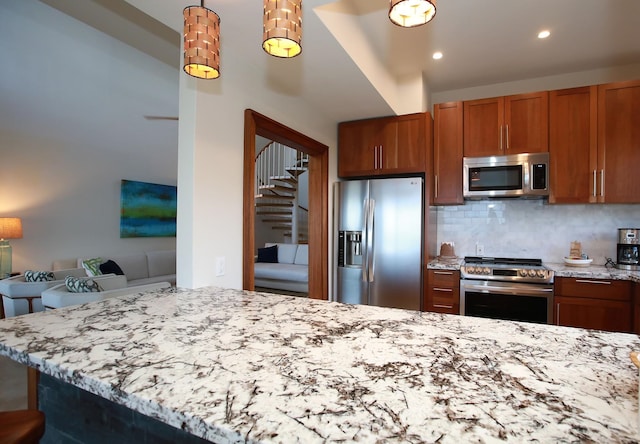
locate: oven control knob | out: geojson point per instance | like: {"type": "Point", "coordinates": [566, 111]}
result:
{"type": "Point", "coordinates": [532, 273]}
{"type": "Point", "coordinates": [541, 274]}
{"type": "Point", "coordinates": [522, 273]}
{"type": "Point", "coordinates": [486, 270]}
{"type": "Point", "coordinates": [468, 269]}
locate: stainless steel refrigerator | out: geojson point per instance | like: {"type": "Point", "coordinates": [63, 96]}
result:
{"type": "Point", "coordinates": [378, 229]}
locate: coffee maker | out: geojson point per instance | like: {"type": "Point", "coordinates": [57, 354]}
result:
{"type": "Point", "coordinates": [628, 249]}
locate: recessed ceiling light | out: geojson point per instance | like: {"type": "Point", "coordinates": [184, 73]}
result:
{"type": "Point", "coordinates": [437, 55]}
{"type": "Point", "coordinates": [544, 34]}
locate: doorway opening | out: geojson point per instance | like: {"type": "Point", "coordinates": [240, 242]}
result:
{"type": "Point", "coordinates": [316, 161]}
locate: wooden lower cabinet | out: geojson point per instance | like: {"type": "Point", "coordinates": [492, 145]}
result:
{"type": "Point", "coordinates": [636, 308]}
{"type": "Point", "coordinates": [442, 293]}
{"type": "Point", "coordinates": [600, 304]}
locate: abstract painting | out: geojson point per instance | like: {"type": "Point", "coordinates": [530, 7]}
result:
{"type": "Point", "coordinates": [147, 209]}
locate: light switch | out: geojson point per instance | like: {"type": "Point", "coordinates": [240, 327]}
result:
{"type": "Point", "coordinates": [220, 265]}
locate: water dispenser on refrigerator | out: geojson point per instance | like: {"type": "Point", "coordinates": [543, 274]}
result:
{"type": "Point", "coordinates": [350, 249]}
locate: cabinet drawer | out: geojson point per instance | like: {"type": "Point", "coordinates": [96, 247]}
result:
{"type": "Point", "coordinates": [593, 288]}
{"type": "Point", "coordinates": [444, 278]}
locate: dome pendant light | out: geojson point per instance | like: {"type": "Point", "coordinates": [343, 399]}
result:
{"type": "Point", "coordinates": [201, 42]}
{"type": "Point", "coordinates": [411, 13]}
{"type": "Point", "coordinates": [282, 27]}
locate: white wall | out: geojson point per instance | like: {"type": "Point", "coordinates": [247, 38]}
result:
{"type": "Point", "coordinates": [72, 102]}
{"type": "Point", "coordinates": [569, 80]}
{"type": "Point", "coordinates": [211, 164]}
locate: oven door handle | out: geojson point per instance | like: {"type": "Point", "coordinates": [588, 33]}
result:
{"type": "Point", "coordinates": [504, 289]}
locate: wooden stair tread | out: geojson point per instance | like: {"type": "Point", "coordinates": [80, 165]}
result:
{"type": "Point", "coordinates": [285, 179]}
{"type": "Point", "coordinates": [264, 212]}
{"type": "Point", "coordinates": [276, 220]}
{"type": "Point", "coordinates": [274, 196]}
{"type": "Point", "coordinates": [278, 188]}
{"type": "Point", "coordinates": [274, 204]}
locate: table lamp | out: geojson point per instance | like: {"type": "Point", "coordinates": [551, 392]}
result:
{"type": "Point", "coordinates": [10, 228]}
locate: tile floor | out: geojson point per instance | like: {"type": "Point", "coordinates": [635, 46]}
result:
{"type": "Point", "coordinates": [13, 385]}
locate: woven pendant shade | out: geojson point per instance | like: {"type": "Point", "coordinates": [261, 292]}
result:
{"type": "Point", "coordinates": [411, 13]}
{"type": "Point", "coordinates": [201, 42]}
{"type": "Point", "coordinates": [282, 27]}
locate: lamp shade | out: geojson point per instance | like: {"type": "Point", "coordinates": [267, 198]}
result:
{"type": "Point", "coordinates": [282, 28]}
{"type": "Point", "coordinates": [411, 13]}
{"type": "Point", "coordinates": [10, 228]}
{"type": "Point", "coordinates": [201, 42]}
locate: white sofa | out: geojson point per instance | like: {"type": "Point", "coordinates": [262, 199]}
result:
{"type": "Point", "coordinates": [290, 273]}
{"type": "Point", "coordinates": [21, 297]}
{"type": "Point", "coordinates": [111, 284]}
{"type": "Point", "coordinates": [139, 268]}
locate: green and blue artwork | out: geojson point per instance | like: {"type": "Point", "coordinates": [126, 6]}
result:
{"type": "Point", "coordinates": [147, 209]}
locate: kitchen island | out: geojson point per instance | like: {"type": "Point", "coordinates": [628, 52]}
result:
{"type": "Point", "coordinates": [234, 366]}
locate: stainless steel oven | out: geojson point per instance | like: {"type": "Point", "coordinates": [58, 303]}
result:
{"type": "Point", "coordinates": [505, 288]}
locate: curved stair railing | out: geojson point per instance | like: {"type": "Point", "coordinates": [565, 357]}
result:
{"type": "Point", "coordinates": [278, 168]}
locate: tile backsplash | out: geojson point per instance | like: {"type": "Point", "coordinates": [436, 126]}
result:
{"type": "Point", "coordinates": [534, 229]}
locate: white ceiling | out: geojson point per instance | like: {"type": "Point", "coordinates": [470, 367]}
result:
{"type": "Point", "coordinates": [354, 58]}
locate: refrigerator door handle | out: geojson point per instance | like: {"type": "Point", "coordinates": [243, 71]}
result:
{"type": "Point", "coordinates": [370, 251]}
{"type": "Point", "coordinates": [364, 239]}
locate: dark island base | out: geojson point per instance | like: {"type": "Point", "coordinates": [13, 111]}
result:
{"type": "Point", "coordinates": [74, 415]}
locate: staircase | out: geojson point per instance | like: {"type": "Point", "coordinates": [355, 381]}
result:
{"type": "Point", "coordinates": [278, 171]}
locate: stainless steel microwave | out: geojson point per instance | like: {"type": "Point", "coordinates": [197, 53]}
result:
{"type": "Point", "coordinates": [516, 175]}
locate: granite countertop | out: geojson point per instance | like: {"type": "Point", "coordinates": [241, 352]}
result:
{"type": "Point", "coordinates": [560, 269]}
{"type": "Point", "coordinates": [445, 263]}
{"type": "Point", "coordinates": [234, 366]}
{"type": "Point", "coordinates": [593, 272]}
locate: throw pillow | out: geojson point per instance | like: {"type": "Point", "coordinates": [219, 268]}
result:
{"type": "Point", "coordinates": [39, 276]}
{"type": "Point", "coordinates": [81, 285]}
{"type": "Point", "coordinates": [268, 254]}
{"type": "Point", "coordinates": [111, 267]}
{"type": "Point", "coordinates": [92, 266]}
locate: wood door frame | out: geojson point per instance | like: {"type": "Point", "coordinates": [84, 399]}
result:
{"type": "Point", "coordinates": [256, 124]}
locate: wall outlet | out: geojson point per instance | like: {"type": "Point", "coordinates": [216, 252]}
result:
{"type": "Point", "coordinates": [220, 265]}
{"type": "Point", "coordinates": [479, 249]}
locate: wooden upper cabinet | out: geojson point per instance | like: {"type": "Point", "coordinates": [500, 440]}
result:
{"type": "Point", "coordinates": [573, 147]}
{"type": "Point", "coordinates": [507, 125]}
{"type": "Point", "coordinates": [387, 145]}
{"type": "Point", "coordinates": [447, 154]}
{"type": "Point", "coordinates": [619, 142]}
{"type": "Point", "coordinates": [483, 127]}
{"type": "Point", "coordinates": [357, 146]}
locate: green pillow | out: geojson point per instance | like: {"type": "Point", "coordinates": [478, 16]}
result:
{"type": "Point", "coordinates": [81, 285]}
{"type": "Point", "coordinates": [39, 276]}
{"type": "Point", "coordinates": [92, 266]}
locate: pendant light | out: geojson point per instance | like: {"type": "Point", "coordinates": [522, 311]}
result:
{"type": "Point", "coordinates": [201, 42]}
{"type": "Point", "coordinates": [411, 13]}
{"type": "Point", "coordinates": [282, 27]}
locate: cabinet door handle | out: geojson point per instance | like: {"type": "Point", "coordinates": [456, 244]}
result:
{"type": "Point", "coordinates": [558, 313]}
{"type": "Point", "coordinates": [582, 281]}
{"type": "Point", "coordinates": [448, 290]}
{"type": "Point", "coordinates": [448, 273]}
{"type": "Point", "coordinates": [375, 157]}
{"type": "Point", "coordinates": [501, 136]}
{"type": "Point", "coordinates": [602, 182]}
{"type": "Point", "coordinates": [595, 184]}
{"type": "Point", "coordinates": [507, 130]}
{"type": "Point", "coordinates": [436, 186]}
{"type": "Point", "coordinates": [381, 157]}
{"type": "Point", "coordinates": [443, 306]}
